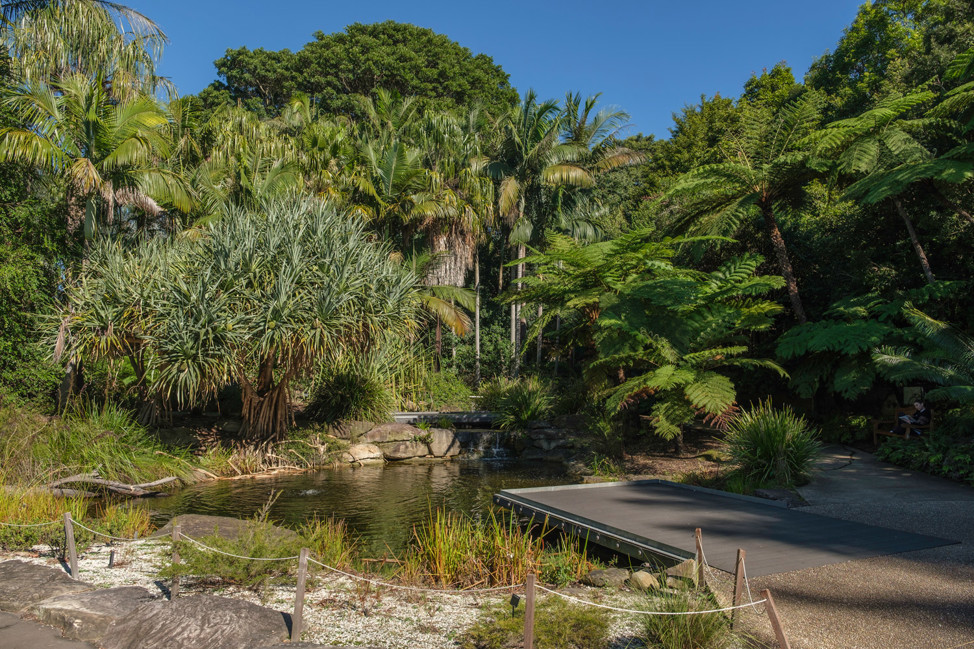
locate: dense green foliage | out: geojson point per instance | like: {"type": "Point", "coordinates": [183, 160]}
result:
{"type": "Point", "coordinates": [332, 68]}
{"type": "Point", "coordinates": [557, 625]}
{"type": "Point", "coordinates": [329, 217]}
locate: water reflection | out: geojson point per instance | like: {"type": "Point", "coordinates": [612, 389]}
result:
{"type": "Point", "coordinates": [381, 504]}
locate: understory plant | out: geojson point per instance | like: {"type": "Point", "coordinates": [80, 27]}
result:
{"type": "Point", "coordinates": [772, 446]}
{"type": "Point", "coordinates": [557, 625]}
{"type": "Point", "coordinates": [701, 631]}
{"type": "Point", "coordinates": [935, 454]}
{"type": "Point", "coordinates": [525, 401]}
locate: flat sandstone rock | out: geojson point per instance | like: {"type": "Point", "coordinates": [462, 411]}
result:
{"type": "Point", "coordinates": [24, 584]}
{"type": "Point", "coordinates": [198, 622]}
{"type": "Point", "coordinates": [87, 616]}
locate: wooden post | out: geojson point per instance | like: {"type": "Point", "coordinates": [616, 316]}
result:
{"type": "Point", "coordinates": [738, 583]}
{"type": "Point", "coordinates": [69, 542]}
{"type": "Point", "coordinates": [297, 620]}
{"type": "Point", "coordinates": [111, 559]}
{"type": "Point", "coordinates": [529, 612]}
{"type": "Point", "coordinates": [779, 632]}
{"type": "Point", "coordinates": [174, 589]}
{"type": "Point", "coordinates": [700, 577]}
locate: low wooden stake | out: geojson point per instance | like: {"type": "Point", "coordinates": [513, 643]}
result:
{"type": "Point", "coordinates": [700, 577]}
{"type": "Point", "coordinates": [297, 620]}
{"type": "Point", "coordinates": [529, 612]}
{"type": "Point", "coordinates": [69, 541]}
{"type": "Point", "coordinates": [174, 589]}
{"type": "Point", "coordinates": [111, 559]}
{"type": "Point", "coordinates": [779, 632]}
{"type": "Point", "coordinates": [738, 583]}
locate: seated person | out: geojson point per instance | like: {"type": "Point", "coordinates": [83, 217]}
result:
{"type": "Point", "coordinates": [921, 417]}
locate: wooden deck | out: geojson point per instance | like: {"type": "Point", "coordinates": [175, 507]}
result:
{"type": "Point", "coordinates": [653, 517]}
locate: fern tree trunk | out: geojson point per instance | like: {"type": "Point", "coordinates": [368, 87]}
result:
{"type": "Point", "coordinates": [915, 241]}
{"type": "Point", "coordinates": [784, 262]}
{"type": "Point", "coordinates": [476, 319]}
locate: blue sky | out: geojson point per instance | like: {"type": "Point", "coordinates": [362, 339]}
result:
{"type": "Point", "coordinates": [649, 58]}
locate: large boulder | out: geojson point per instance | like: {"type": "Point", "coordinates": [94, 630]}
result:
{"type": "Point", "coordinates": [198, 622]}
{"type": "Point", "coordinates": [24, 584]}
{"type": "Point", "coordinates": [613, 577]}
{"type": "Point", "coordinates": [444, 442]}
{"type": "Point", "coordinates": [363, 454]}
{"type": "Point", "coordinates": [351, 429]}
{"type": "Point", "coordinates": [389, 433]}
{"type": "Point", "coordinates": [197, 526]}
{"type": "Point", "coordinates": [24, 634]}
{"type": "Point", "coordinates": [405, 450]}
{"type": "Point", "coordinates": [87, 616]}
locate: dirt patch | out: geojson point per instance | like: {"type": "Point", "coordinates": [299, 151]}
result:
{"type": "Point", "coordinates": [701, 458]}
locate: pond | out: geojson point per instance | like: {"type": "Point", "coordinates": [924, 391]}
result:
{"type": "Point", "coordinates": [380, 504]}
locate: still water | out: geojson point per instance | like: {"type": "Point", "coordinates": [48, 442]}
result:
{"type": "Point", "coordinates": [381, 504]}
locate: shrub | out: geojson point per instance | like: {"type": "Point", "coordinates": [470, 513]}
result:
{"type": "Point", "coordinates": [772, 446]}
{"type": "Point", "coordinates": [448, 391]}
{"type": "Point", "coordinates": [493, 392]}
{"type": "Point", "coordinates": [936, 454]}
{"type": "Point", "coordinates": [350, 393]}
{"type": "Point", "coordinates": [557, 625]}
{"type": "Point", "coordinates": [706, 631]}
{"type": "Point", "coordinates": [526, 401]}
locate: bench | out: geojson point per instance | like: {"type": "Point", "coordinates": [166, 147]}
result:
{"type": "Point", "coordinates": [883, 426]}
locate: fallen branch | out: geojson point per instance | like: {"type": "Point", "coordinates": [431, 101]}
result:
{"type": "Point", "coordinates": [110, 485]}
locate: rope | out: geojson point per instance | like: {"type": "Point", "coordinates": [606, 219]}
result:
{"type": "Point", "coordinates": [747, 584]}
{"type": "Point", "coordinates": [374, 582]}
{"type": "Point", "coordinates": [30, 524]}
{"type": "Point", "coordinates": [235, 556]}
{"type": "Point", "coordinates": [117, 538]}
{"type": "Point", "coordinates": [638, 612]}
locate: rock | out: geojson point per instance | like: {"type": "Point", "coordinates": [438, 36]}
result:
{"type": "Point", "coordinates": [231, 426]}
{"type": "Point", "coordinates": [790, 498]}
{"type": "Point", "coordinates": [23, 634]}
{"type": "Point", "coordinates": [538, 424]}
{"type": "Point", "coordinates": [87, 616]}
{"type": "Point", "coordinates": [198, 622]}
{"type": "Point", "coordinates": [675, 584]}
{"type": "Point", "coordinates": [614, 577]}
{"type": "Point", "coordinates": [444, 442]}
{"type": "Point", "coordinates": [573, 422]}
{"type": "Point", "coordinates": [643, 580]}
{"type": "Point", "coordinates": [686, 570]}
{"type": "Point", "coordinates": [363, 454]}
{"type": "Point", "coordinates": [352, 429]}
{"type": "Point", "coordinates": [533, 454]}
{"type": "Point", "coordinates": [404, 450]}
{"type": "Point", "coordinates": [198, 526]}
{"type": "Point", "coordinates": [24, 584]}
{"type": "Point", "coordinates": [387, 433]}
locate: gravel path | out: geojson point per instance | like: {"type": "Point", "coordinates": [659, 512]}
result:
{"type": "Point", "coordinates": [338, 610]}
{"type": "Point", "coordinates": [913, 600]}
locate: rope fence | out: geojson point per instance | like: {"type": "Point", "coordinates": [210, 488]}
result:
{"type": "Point", "coordinates": [529, 587]}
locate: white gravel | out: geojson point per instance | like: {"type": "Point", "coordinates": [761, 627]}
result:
{"type": "Point", "coordinates": [338, 610]}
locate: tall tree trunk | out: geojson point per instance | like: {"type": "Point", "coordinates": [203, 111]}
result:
{"type": "Point", "coordinates": [949, 204]}
{"type": "Point", "coordinates": [439, 342]}
{"type": "Point", "coordinates": [522, 323]}
{"type": "Point", "coordinates": [537, 360]}
{"type": "Point", "coordinates": [915, 241]}
{"type": "Point", "coordinates": [476, 319]}
{"type": "Point", "coordinates": [557, 343]}
{"type": "Point", "coordinates": [784, 262]}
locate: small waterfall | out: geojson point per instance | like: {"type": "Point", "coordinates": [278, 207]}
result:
{"type": "Point", "coordinates": [487, 444]}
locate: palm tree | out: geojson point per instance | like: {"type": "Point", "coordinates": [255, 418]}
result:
{"type": "Point", "coordinates": [765, 167]}
{"type": "Point", "coordinates": [50, 40]}
{"type": "Point", "coordinates": [108, 149]}
{"type": "Point", "coordinates": [532, 159]}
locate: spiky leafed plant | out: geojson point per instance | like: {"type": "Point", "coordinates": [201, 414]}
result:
{"type": "Point", "coordinates": [108, 149]}
{"type": "Point", "coordinates": [259, 300]}
{"type": "Point", "coordinates": [945, 358]}
{"type": "Point", "coordinates": [660, 331]}
{"type": "Point", "coordinates": [766, 167]}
